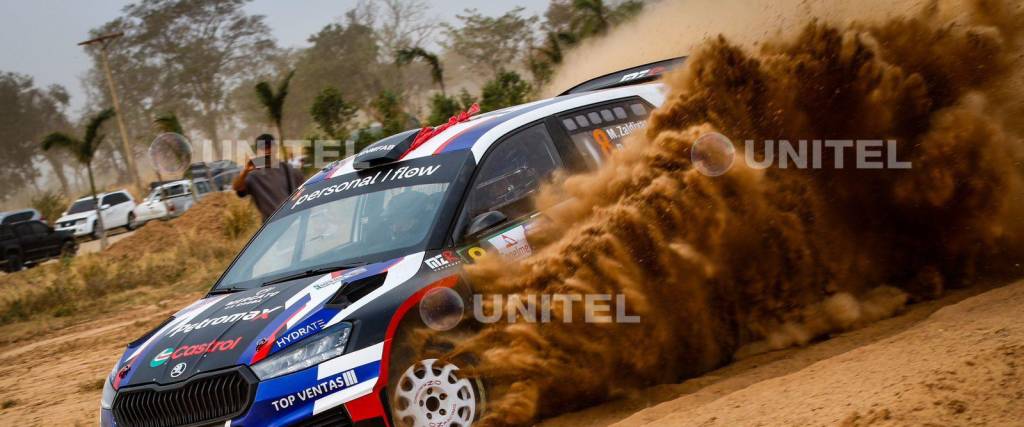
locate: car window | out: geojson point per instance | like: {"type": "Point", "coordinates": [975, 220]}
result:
{"type": "Point", "coordinates": [512, 173]}
{"type": "Point", "coordinates": [596, 131]}
{"type": "Point", "coordinates": [202, 187]}
{"type": "Point", "coordinates": [114, 199]}
{"type": "Point", "coordinates": [18, 217]}
{"type": "Point", "coordinates": [176, 190]}
{"type": "Point", "coordinates": [39, 228]}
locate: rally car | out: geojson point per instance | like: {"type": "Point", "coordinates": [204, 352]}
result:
{"type": "Point", "coordinates": [300, 330]}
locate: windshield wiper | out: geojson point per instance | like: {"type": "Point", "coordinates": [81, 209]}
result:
{"type": "Point", "coordinates": [313, 272]}
{"type": "Point", "coordinates": [228, 290]}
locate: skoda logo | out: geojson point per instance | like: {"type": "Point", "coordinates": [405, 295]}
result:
{"type": "Point", "coordinates": [178, 370]}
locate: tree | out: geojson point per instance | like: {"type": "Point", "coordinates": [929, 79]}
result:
{"type": "Point", "coordinates": [569, 22]}
{"type": "Point", "coordinates": [505, 90]}
{"type": "Point", "coordinates": [186, 55]}
{"type": "Point", "coordinates": [406, 56]}
{"type": "Point", "coordinates": [443, 107]}
{"type": "Point", "coordinates": [273, 101]}
{"type": "Point", "coordinates": [26, 113]}
{"type": "Point", "coordinates": [84, 150]}
{"type": "Point", "coordinates": [388, 111]}
{"type": "Point", "coordinates": [490, 43]}
{"type": "Point", "coordinates": [332, 113]}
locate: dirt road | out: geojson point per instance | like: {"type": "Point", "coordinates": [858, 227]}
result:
{"type": "Point", "coordinates": [954, 361]}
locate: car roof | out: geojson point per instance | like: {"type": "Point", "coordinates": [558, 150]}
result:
{"type": "Point", "coordinates": [101, 195]}
{"type": "Point", "coordinates": [480, 132]}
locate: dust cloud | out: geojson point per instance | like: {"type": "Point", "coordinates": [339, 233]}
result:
{"type": "Point", "coordinates": [758, 259]}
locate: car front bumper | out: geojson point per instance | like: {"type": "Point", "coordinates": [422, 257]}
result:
{"type": "Point", "coordinates": [78, 229]}
{"type": "Point", "coordinates": [340, 391]}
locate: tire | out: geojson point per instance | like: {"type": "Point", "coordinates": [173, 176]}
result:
{"type": "Point", "coordinates": [68, 249]}
{"type": "Point", "coordinates": [130, 225]}
{"type": "Point", "coordinates": [422, 385]}
{"type": "Point", "coordinates": [95, 235]}
{"type": "Point", "coordinates": [13, 263]}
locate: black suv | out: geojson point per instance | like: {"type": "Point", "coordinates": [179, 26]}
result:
{"type": "Point", "coordinates": [32, 242]}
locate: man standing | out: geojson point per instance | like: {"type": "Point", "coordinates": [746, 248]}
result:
{"type": "Point", "coordinates": [268, 180]}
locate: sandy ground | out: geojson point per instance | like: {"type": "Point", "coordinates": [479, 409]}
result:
{"type": "Point", "coordinates": [953, 361]}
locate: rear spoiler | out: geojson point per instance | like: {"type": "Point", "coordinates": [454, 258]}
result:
{"type": "Point", "coordinates": [630, 76]}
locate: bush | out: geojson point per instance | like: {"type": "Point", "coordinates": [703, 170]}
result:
{"type": "Point", "coordinates": [50, 204]}
{"type": "Point", "coordinates": [239, 219]}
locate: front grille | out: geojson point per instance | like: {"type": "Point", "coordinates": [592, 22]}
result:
{"type": "Point", "coordinates": [201, 400]}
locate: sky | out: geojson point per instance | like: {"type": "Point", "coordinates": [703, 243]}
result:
{"type": "Point", "coordinates": [40, 37]}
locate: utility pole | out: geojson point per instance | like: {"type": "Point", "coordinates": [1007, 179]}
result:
{"type": "Point", "coordinates": [105, 41]}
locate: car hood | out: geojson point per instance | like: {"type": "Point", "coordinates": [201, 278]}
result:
{"type": "Point", "coordinates": [240, 328]}
{"type": "Point", "coordinates": [77, 216]}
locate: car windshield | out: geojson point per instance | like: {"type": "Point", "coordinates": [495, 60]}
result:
{"type": "Point", "coordinates": [364, 216]}
{"type": "Point", "coordinates": [155, 194]}
{"type": "Point", "coordinates": [83, 205]}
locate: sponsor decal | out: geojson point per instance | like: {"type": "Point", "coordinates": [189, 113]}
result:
{"type": "Point", "coordinates": [260, 296]}
{"type": "Point", "coordinates": [193, 350]}
{"type": "Point", "coordinates": [227, 318]}
{"type": "Point", "coordinates": [442, 261]}
{"type": "Point", "coordinates": [161, 357]}
{"type": "Point", "coordinates": [512, 243]}
{"type": "Point", "coordinates": [343, 380]}
{"type": "Point", "coordinates": [342, 278]}
{"type": "Point", "coordinates": [642, 73]}
{"type": "Point", "coordinates": [622, 130]}
{"type": "Point", "coordinates": [178, 370]}
{"type": "Point", "coordinates": [395, 174]}
{"type": "Point", "coordinates": [300, 333]}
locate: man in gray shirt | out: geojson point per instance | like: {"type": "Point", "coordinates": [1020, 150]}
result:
{"type": "Point", "coordinates": [268, 180]}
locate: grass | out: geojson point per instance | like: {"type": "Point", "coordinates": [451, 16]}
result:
{"type": "Point", "coordinates": [91, 284]}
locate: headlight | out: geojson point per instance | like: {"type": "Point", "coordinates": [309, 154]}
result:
{"type": "Point", "coordinates": [108, 394]}
{"type": "Point", "coordinates": [313, 350]}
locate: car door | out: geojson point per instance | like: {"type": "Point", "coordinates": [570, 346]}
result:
{"type": "Point", "coordinates": [112, 215]}
{"type": "Point", "coordinates": [49, 242]}
{"type": "Point", "coordinates": [31, 242]}
{"type": "Point", "coordinates": [509, 176]}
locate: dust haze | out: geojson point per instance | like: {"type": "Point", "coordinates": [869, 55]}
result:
{"type": "Point", "coordinates": [758, 259]}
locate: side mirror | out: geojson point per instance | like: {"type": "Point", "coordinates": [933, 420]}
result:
{"type": "Point", "coordinates": [104, 207]}
{"type": "Point", "coordinates": [484, 222]}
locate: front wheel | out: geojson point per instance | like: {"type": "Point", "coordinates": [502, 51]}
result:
{"type": "Point", "coordinates": [68, 249]}
{"type": "Point", "coordinates": [131, 225]}
{"type": "Point", "coordinates": [425, 385]}
{"type": "Point", "coordinates": [432, 393]}
{"type": "Point", "coordinates": [13, 263]}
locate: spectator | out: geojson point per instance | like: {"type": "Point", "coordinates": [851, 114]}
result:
{"type": "Point", "coordinates": [268, 180]}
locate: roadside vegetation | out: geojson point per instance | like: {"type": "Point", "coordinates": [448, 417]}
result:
{"type": "Point", "coordinates": [178, 258]}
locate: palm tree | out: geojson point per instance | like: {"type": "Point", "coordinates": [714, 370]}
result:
{"type": "Point", "coordinates": [168, 123]}
{"type": "Point", "coordinates": [274, 102]}
{"type": "Point", "coordinates": [84, 149]}
{"type": "Point", "coordinates": [407, 55]}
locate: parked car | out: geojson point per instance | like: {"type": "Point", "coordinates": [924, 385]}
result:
{"type": "Point", "coordinates": [31, 242]}
{"type": "Point", "coordinates": [19, 215]}
{"type": "Point", "coordinates": [210, 169]}
{"type": "Point", "coordinates": [222, 181]}
{"type": "Point", "coordinates": [116, 208]}
{"type": "Point", "coordinates": [314, 321]}
{"type": "Point", "coordinates": [170, 200]}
